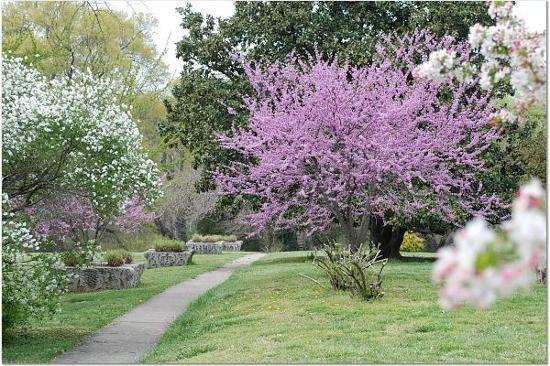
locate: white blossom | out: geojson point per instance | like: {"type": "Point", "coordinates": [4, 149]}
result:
{"type": "Point", "coordinates": [508, 49]}
{"type": "Point", "coordinates": [484, 265]}
{"type": "Point", "coordinates": [31, 281]}
{"type": "Point", "coordinates": [44, 118]}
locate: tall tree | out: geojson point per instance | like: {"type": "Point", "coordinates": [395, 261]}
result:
{"type": "Point", "coordinates": [212, 82]}
{"type": "Point", "coordinates": [328, 143]}
{"type": "Point", "coordinates": [59, 36]}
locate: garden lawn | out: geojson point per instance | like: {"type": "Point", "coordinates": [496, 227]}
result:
{"type": "Point", "coordinates": [267, 312]}
{"type": "Point", "coordinates": [84, 313]}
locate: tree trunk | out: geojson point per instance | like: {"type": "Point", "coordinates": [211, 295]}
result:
{"type": "Point", "coordinates": [358, 236]}
{"type": "Point", "coordinates": [388, 238]}
{"type": "Point", "coordinates": [354, 236]}
{"type": "Point", "coordinates": [390, 249]}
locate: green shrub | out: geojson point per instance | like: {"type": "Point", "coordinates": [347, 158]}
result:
{"type": "Point", "coordinates": [331, 265]}
{"type": "Point", "coordinates": [73, 258]}
{"type": "Point", "coordinates": [118, 257]}
{"type": "Point", "coordinates": [212, 238]}
{"type": "Point", "coordinates": [412, 242]}
{"type": "Point", "coordinates": [128, 257]}
{"type": "Point", "coordinates": [169, 246]}
{"type": "Point", "coordinates": [31, 284]}
{"type": "Point", "coordinates": [358, 272]}
{"type": "Point", "coordinates": [81, 254]}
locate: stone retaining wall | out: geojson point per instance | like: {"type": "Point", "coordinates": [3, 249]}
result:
{"type": "Point", "coordinates": [205, 248]}
{"type": "Point", "coordinates": [214, 247]}
{"type": "Point", "coordinates": [165, 259]}
{"type": "Point", "coordinates": [105, 278]}
{"type": "Point", "coordinates": [232, 246]}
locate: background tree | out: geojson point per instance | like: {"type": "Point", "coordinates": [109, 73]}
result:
{"type": "Point", "coordinates": [60, 36]}
{"type": "Point", "coordinates": [182, 207]}
{"type": "Point", "coordinates": [329, 143]}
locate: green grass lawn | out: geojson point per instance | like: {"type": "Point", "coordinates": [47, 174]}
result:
{"type": "Point", "coordinates": [268, 313]}
{"type": "Point", "coordinates": [84, 313]}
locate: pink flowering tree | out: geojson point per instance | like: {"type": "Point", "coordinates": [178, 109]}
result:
{"type": "Point", "coordinates": [331, 143]}
{"type": "Point", "coordinates": [65, 217]}
{"type": "Point", "coordinates": [72, 218]}
{"type": "Point", "coordinates": [134, 215]}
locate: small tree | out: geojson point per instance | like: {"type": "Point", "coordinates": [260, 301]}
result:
{"type": "Point", "coordinates": [182, 207]}
{"type": "Point", "coordinates": [328, 142]}
{"type": "Point", "coordinates": [71, 135]}
{"type": "Point", "coordinates": [61, 136]}
{"type": "Point", "coordinates": [72, 218]}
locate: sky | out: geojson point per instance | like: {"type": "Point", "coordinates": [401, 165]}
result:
{"type": "Point", "coordinates": [169, 31]}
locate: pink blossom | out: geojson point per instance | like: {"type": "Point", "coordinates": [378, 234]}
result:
{"type": "Point", "coordinates": [327, 142]}
{"type": "Point", "coordinates": [508, 49]}
{"type": "Point", "coordinates": [73, 217]}
{"type": "Point", "coordinates": [134, 216]}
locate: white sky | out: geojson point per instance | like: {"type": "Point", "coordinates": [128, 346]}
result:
{"type": "Point", "coordinates": [169, 31]}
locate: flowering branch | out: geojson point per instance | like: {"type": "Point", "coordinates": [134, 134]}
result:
{"type": "Point", "coordinates": [486, 264]}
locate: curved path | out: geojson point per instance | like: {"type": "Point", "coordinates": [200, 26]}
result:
{"type": "Point", "coordinates": [131, 336]}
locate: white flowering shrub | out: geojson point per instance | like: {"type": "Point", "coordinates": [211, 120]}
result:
{"type": "Point", "coordinates": [71, 134]}
{"type": "Point", "coordinates": [31, 282]}
{"type": "Point", "coordinates": [61, 136]}
{"type": "Point", "coordinates": [486, 264]}
{"type": "Point", "coordinates": [509, 52]}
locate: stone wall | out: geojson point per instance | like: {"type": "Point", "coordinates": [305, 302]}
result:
{"type": "Point", "coordinates": [232, 246]}
{"type": "Point", "coordinates": [165, 259]}
{"type": "Point", "coordinates": [214, 247]}
{"type": "Point", "coordinates": [105, 278]}
{"type": "Point", "coordinates": [205, 248]}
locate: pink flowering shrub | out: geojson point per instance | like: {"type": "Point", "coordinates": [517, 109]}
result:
{"type": "Point", "coordinates": [328, 142]}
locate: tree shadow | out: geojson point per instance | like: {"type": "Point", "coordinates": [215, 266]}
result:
{"type": "Point", "coordinates": [285, 260]}
{"type": "Point", "coordinates": [413, 259]}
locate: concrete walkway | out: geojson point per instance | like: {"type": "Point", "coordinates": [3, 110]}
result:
{"type": "Point", "coordinates": [131, 336]}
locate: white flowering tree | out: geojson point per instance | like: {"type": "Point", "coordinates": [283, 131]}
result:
{"type": "Point", "coordinates": [71, 135]}
{"type": "Point", "coordinates": [63, 136]}
{"type": "Point", "coordinates": [487, 263]}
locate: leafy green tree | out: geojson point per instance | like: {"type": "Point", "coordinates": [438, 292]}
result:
{"type": "Point", "coordinates": [59, 36]}
{"type": "Point", "coordinates": [212, 83]}
{"type": "Point", "coordinates": [529, 144]}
